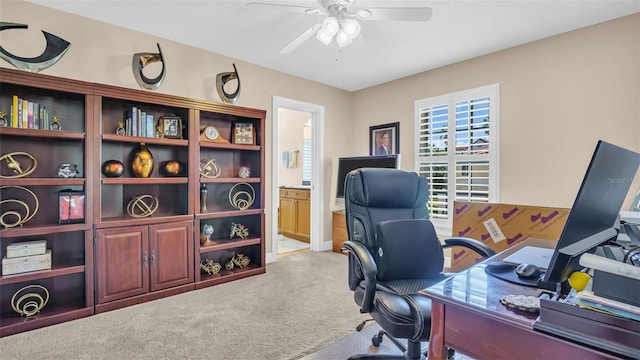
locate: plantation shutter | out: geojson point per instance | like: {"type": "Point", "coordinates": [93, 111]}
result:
{"type": "Point", "coordinates": [306, 162]}
{"type": "Point", "coordinates": [457, 149]}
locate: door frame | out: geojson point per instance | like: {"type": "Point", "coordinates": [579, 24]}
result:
{"type": "Point", "coordinates": [317, 242]}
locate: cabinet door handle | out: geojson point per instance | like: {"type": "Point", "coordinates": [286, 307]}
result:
{"type": "Point", "coordinates": [153, 257]}
{"type": "Point", "coordinates": [145, 259]}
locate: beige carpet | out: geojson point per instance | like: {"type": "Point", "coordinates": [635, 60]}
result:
{"type": "Point", "coordinates": [299, 306]}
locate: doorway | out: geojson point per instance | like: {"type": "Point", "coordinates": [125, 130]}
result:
{"type": "Point", "coordinates": [315, 119]}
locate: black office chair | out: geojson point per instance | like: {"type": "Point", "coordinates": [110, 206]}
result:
{"type": "Point", "coordinates": [394, 252]}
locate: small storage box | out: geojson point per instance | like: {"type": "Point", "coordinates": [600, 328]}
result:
{"type": "Point", "coordinates": [27, 248]}
{"type": "Point", "coordinates": [26, 263]}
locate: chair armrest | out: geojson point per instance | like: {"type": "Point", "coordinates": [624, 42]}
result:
{"type": "Point", "coordinates": [369, 267]}
{"type": "Point", "coordinates": [473, 244]}
{"type": "Point", "coordinates": [362, 264]}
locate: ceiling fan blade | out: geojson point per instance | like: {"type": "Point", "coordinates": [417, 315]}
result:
{"type": "Point", "coordinates": [396, 14]}
{"type": "Point", "coordinates": [283, 7]}
{"type": "Point", "coordinates": [306, 35]}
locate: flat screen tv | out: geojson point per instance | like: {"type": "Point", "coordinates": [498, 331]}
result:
{"type": "Point", "coordinates": [347, 164]}
{"type": "Point", "coordinates": [592, 218]}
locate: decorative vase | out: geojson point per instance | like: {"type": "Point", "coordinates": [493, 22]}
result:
{"type": "Point", "coordinates": [203, 198]}
{"type": "Point", "coordinates": [112, 168]}
{"type": "Point", "coordinates": [141, 161]}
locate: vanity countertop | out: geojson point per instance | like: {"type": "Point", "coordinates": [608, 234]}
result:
{"type": "Point", "coordinates": [298, 187]}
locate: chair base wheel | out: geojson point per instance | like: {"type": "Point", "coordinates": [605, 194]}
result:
{"type": "Point", "coordinates": [376, 340]}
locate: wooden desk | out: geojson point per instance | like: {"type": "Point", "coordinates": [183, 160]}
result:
{"type": "Point", "coordinates": [467, 316]}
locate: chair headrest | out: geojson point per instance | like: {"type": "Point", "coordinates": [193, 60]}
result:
{"type": "Point", "coordinates": [386, 188]}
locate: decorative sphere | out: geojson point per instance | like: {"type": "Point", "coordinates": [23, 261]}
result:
{"type": "Point", "coordinates": [171, 168]}
{"type": "Point", "coordinates": [207, 230]}
{"type": "Point", "coordinates": [112, 168]}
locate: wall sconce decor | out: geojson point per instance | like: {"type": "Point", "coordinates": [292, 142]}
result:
{"type": "Point", "coordinates": [222, 79]}
{"type": "Point", "coordinates": [56, 48]}
{"type": "Point", "coordinates": [139, 61]}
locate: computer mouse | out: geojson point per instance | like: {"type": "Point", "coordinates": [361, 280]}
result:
{"type": "Point", "coordinates": [527, 271]}
{"type": "Point", "coordinates": [499, 266]}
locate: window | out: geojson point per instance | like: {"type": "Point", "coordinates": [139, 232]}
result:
{"type": "Point", "coordinates": [457, 149]}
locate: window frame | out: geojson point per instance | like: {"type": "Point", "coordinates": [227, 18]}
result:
{"type": "Point", "coordinates": [444, 226]}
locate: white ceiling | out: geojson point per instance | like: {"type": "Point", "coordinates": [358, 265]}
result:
{"type": "Point", "coordinates": [384, 51]}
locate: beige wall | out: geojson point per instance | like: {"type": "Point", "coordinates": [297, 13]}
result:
{"type": "Point", "coordinates": [102, 53]}
{"type": "Point", "coordinates": [558, 96]}
{"type": "Point", "coordinates": [588, 82]}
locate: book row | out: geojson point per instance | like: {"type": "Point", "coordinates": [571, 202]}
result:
{"type": "Point", "coordinates": [27, 114]}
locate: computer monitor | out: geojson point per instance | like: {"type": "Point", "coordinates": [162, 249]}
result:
{"type": "Point", "coordinates": [347, 164]}
{"type": "Point", "coordinates": [594, 213]}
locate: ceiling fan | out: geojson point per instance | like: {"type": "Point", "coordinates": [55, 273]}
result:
{"type": "Point", "coordinates": [341, 21]}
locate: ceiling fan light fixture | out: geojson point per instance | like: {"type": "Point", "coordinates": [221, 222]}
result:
{"type": "Point", "coordinates": [350, 27]}
{"type": "Point", "coordinates": [323, 37]}
{"type": "Point", "coordinates": [343, 39]}
{"type": "Point", "coordinates": [330, 26]}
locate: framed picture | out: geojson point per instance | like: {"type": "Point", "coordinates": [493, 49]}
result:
{"type": "Point", "coordinates": [170, 126]}
{"type": "Point", "coordinates": [71, 206]}
{"type": "Point", "coordinates": [384, 139]}
{"type": "Point", "coordinates": [244, 133]}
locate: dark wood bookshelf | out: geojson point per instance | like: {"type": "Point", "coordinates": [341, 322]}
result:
{"type": "Point", "coordinates": [91, 258]}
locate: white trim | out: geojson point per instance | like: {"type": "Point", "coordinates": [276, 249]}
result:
{"type": "Point", "coordinates": [317, 174]}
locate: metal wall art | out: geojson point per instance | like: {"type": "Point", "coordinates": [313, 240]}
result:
{"type": "Point", "coordinates": [20, 218]}
{"type": "Point", "coordinates": [142, 206]}
{"type": "Point", "coordinates": [209, 168]}
{"type": "Point", "coordinates": [53, 52]}
{"type": "Point", "coordinates": [15, 166]}
{"type": "Point", "coordinates": [222, 79]}
{"type": "Point", "coordinates": [139, 61]}
{"type": "Point", "coordinates": [241, 199]}
{"type": "Point", "coordinates": [30, 303]}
